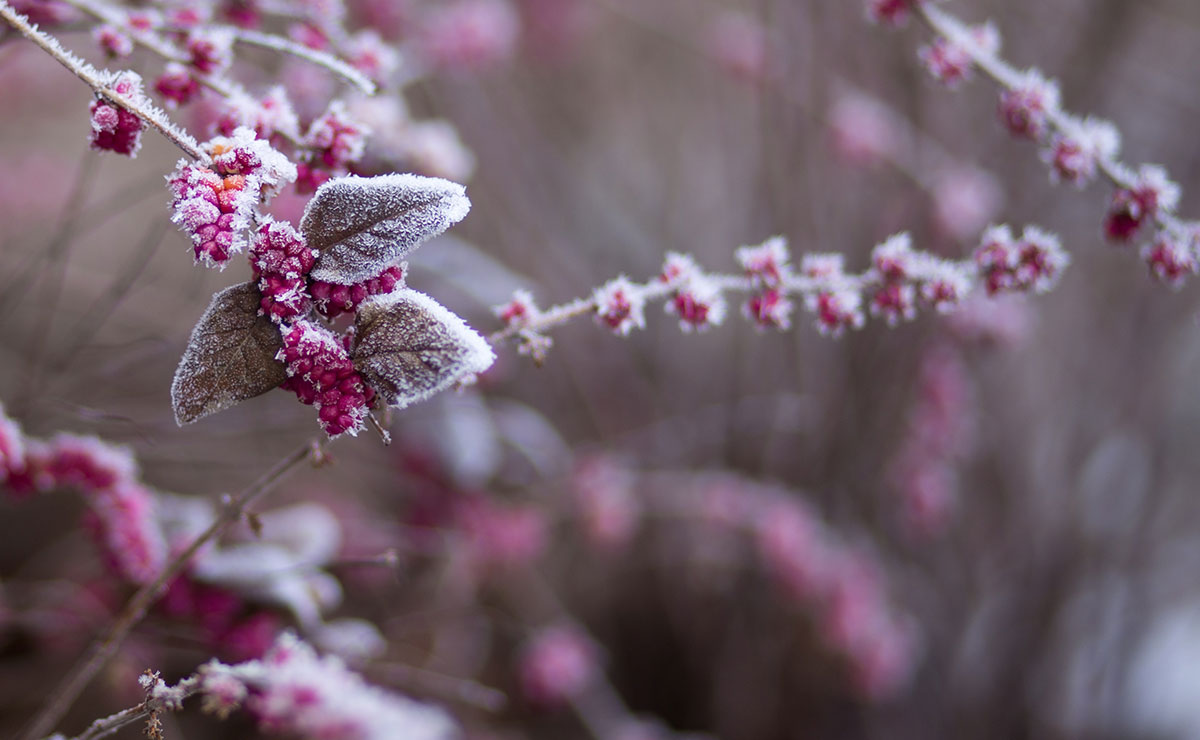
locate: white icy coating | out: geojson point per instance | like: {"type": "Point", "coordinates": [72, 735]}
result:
{"type": "Point", "coordinates": [353, 640]}
{"type": "Point", "coordinates": [361, 225]}
{"type": "Point", "coordinates": [310, 697]}
{"type": "Point", "coordinates": [410, 347]}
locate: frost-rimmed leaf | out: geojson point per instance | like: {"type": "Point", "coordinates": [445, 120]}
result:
{"type": "Point", "coordinates": [410, 347]}
{"type": "Point", "coordinates": [362, 225]}
{"type": "Point", "coordinates": [229, 358]}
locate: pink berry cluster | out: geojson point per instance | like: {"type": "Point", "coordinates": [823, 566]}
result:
{"type": "Point", "coordinates": [841, 585]}
{"type": "Point", "coordinates": [321, 374]}
{"type": "Point", "coordinates": [216, 205]}
{"type": "Point", "coordinates": [890, 12]}
{"type": "Point", "coordinates": [1076, 149]}
{"type": "Point", "coordinates": [281, 261]}
{"type": "Point", "coordinates": [121, 510]}
{"type": "Point", "coordinates": [766, 265]}
{"type": "Point", "coordinates": [1032, 263]}
{"type": "Point", "coordinates": [292, 690]}
{"type": "Point", "coordinates": [334, 141]}
{"type": "Point", "coordinates": [114, 128]}
{"type": "Point", "coordinates": [939, 436]}
{"type": "Point", "coordinates": [222, 619]}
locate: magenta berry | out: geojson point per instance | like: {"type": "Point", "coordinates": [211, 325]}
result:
{"type": "Point", "coordinates": [114, 128]}
{"type": "Point", "coordinates": [321, 374]}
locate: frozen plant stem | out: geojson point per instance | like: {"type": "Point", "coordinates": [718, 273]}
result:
{"type": "Point", "coordinates": [91, 78]}
{"type": "Point", "coordinates": [106, 726]}
{"type": "Point", "coordinates": [102, 649]}
{"type": "Point", "coordinates": [1006, 76]}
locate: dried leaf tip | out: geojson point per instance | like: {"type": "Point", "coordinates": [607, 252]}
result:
{"type": "Point", "coordinates": [362, 225]}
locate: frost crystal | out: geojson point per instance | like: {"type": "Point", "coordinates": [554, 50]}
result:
{"type": "Point", "coordinates": [363, 225]}
{"type": "Point", "coordinates": [409, 347]}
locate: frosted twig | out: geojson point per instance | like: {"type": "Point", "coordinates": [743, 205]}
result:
{"type": "Point", "coordinates": [75, 681]}
{"type": "Point", "coordinates": [1008, 77]}
{"type": "Point", "coordinates": [320, 58]}
{"type": "Point", "coordinates": [154, 117]}
{"type": "Point", "coordinates": [106, 726]}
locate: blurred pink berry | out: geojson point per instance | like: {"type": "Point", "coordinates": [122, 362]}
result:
{"type": "Point", "coordinates": [114, 42]}
{"type": "Point", "coordinates": [210, 50]}
{"type": "Point", "coordinates": [890, 12]}
{"type": "Point", "coordinates": [469, 34]}
{"type": "Point", "coordinates": [697, 299]}
{"type": "Point", "coordinates": [965, 199]}
{"type": "Point", "coordinates": [603, 494]}
{"type": "Point", "coordinates": [864, 130]}
{"type": "Point", "coordinates": [738, 44]}
{"type": "Point", "coordinates": [177, 85]}
{"type": "Point", "coordinates": [557, 665]}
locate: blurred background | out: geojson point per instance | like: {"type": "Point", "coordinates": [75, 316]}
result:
{"type": "Point", "coordinates": [981, 525]}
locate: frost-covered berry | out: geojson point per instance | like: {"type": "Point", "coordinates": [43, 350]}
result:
{"type": "Point", "coordinates": [177, 85]}
{"type": "Point", "coordinates": [944, 285]}
{"type": "Point", "coordinates": [213, 210]}
{"type": "Point", "coordinates": [245, 154]}
{"type": "Point", "coordinates": [1075, 152]}
{"type": "Point", "coordinates": [837, 309]}
{"type": "Point", "coordinates": [210, 50]}
{"type": "Point", "coordinates": [1170, 258]}
{"type": "Point", "coordinates": [1152, 191]}
{"type": "Point", "coordinates": [765, 264]}
{"type": "Point", "coordinates": [269, 115]}
{"type": "Point", "coordinates": [1025, 108]}
{"type": "Point", "coordinates": [770, 309]}
{"type": "Point", "coordinates": [950, 63]}
{"type": "Point", "coordinates": [519, 310]}
{"type": "Point", "coordinates": [334, 140]}
{"type": "Point", "coordinates": [278, 248]}
{"type": "Point", "coordinates": [696, 299]}
{"type": "Point", "coordinates": [321, 374]}
{"type": "Point", "coordinates": [333, 300]}
{"type": "Point", "coordinates": [115, 129]}
{"type": "Point", "coordinates": [1033, 263]}
{"type": "Point", "coordinates": [620, 306]}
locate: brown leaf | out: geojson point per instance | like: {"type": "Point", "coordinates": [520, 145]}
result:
{"type": "Point", "coordinates": [409, 347]}
{"type": "Point", "coordinates": [229, 358]}
{"type": "Point", "coordinates": [363, 225]}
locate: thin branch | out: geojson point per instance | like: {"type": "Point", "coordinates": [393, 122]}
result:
{"type": "Point", "coordinates": [93, 78]}
{"type": "Point", "coordinates": [73, 684]}
{"type": "Point", "coordinates": [320, 58]}
{"type": "Point", "coordinates": [1008, 77]}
